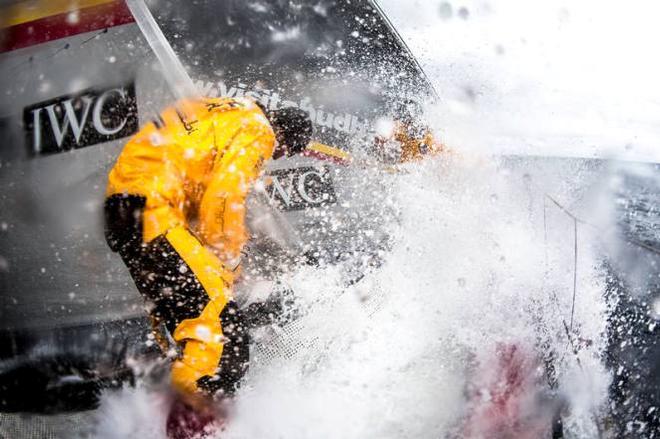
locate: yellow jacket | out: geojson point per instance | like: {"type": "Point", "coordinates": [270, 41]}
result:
{"type": "Point", "coordinates": [416, 146]}
{"type": "Point", "coordinates": [194, 166]}
{"type": "Point", "coordinates": [195, 169]}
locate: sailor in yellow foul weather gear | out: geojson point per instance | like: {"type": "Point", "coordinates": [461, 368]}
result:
{"type": "Point", "coordinates": [410, 138]}
{"type": "Point", "coordinates": [175, 212]}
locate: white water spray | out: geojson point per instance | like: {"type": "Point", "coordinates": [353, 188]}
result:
{"type": "Point", "coordinates": [472, 267]}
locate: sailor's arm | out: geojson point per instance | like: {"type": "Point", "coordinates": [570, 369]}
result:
{"type": "Point", "coordinates": [145, 195]}
{"type": "Point", "coordinates": [222, 210]}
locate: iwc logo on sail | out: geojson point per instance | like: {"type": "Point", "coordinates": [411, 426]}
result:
{"type": "Point", "coordinates": [83, 119]}
{"type": "Point", "coordinates": [301, 188]}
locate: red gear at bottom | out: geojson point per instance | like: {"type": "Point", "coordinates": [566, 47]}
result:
{"type": "Point", "coordinates": [186, 422]}
{"type": "Point", "coordinates": [506, 401]}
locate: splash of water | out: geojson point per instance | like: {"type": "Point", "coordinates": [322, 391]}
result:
{"type": "Point", "coordinates": [468, 271]}
{"type": "Point", "coordinates": [477, 262]}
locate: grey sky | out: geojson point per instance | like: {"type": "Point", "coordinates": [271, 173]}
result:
{"type": "Point", "coordinates": [549, 77]}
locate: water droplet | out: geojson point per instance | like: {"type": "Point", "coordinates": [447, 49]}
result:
{"type": "Point", "coordinates": [73, 17]}
{"type": "Point", "coordinates": [445, 10]}
{"type": "Point", "coordinates": [463, 13]}
{"type": "Point", "coordinates": [655, 309]}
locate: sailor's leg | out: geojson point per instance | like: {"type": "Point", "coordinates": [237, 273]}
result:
{"type": "Point", "coordinates": [190, 292]}
{"type": "Point", "coordinates": [215, 351]}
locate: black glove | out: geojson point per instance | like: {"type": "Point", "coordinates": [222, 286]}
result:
{"type": "Point", "coordinates": [123, 223]}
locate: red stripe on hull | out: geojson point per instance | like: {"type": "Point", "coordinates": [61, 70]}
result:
{"type": "Point", "coordinates": [65, 25]}
{"type": "Point", "coordinates": [321, 156]}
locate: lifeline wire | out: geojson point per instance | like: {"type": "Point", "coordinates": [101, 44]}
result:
{"type": "Point", "coordinates": [569, 329]}
{"type": "Point", "coordinates": [575, 261]}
